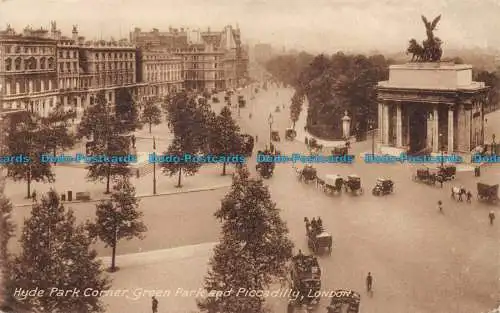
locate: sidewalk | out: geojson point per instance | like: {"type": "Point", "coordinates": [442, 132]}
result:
{"type": "Point", "coordinates": [74, 179]}
{"type": "Point", "coordinates": [169, 273]}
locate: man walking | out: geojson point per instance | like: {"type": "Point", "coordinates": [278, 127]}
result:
{"type": "Point", "coordinates": [492, 217]}
{"type": "Point", "coordinates": [369, 282]}
{"type": "Point", "coordinates": [155, 305]}
{"type": "Point", "coordinates": [440, 206]}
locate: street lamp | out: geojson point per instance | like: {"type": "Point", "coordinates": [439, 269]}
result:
{"type": "Point", "coordinates": [373, 136]}
{"type": "Point", "coordinates": [271, 121]}
{"type": "Point", "coordinates": [154, 166]}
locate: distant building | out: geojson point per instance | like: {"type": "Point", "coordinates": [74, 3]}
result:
{"type": "Point", "coordinates": [210, 60]}
{"type": "Point", "coordinates": [263, 52]}
{"type": "Point", "coordinates": [160, 71]}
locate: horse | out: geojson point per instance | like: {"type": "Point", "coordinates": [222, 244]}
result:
{"type": "Point", "coordinates": [458, 191]}
{"type": "Point", "coordinates": [320, 183]}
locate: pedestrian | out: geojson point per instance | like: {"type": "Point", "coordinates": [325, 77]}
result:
{"type": "Point", "coordinates": [306, 141]}
{"type": "Point", "coordinates": [314, 224]}
{"type": "Point", "coordinates": [154, 304]}
{"type": "Point", "coordinates": [441, 180]}
{"type": "Point", "coordinates": [460, 193]}
{"type": "Point", "coordinates": [320, 222]}
{"type": "Point", "coordinates": [440, 206]}
{"type": "Point", "coordinates": [256, 138]}
{"type": "Point", "coordinates": [369, 282]}
{"type": "Point", "coordinates": [492, 217]}
{"type": "Point", "coordinates": [33, 196]}
{"type": "Point", "coordinates": [469, 196]}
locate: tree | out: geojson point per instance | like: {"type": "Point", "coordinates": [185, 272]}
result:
{"type": "Point", "coordinates": [126, 111]}
{"type": "Point", "coordinates": [55, 129]}
{"type": "Point", "coordinates": [179, 165]}
{"type": "Point", "coordinates": [253, 250]}
{"type": "Point", "coordinates": [108, 139]}
{"type": "Point", "coordinates": [7, 228]}
{"type": "Point", "coordinates": [191, 122]}
{"type": "Point", "coordinates": [26, 140]}
{"type": "Point", "coordinates": [56, 253]}
{"type": "Point", "coordinates": [151, 114]}
{"type": "Point", "coordinates": [118, 218]}
{"type": "Point", "coordinates": [296, 107]}
{"type": "Point", "coordinates": [226, 138]}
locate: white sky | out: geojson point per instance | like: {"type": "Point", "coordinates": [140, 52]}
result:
{"type": "Point", "coordinates": [318, 25]}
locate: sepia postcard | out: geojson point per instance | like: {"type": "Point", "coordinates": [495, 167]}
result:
{"type": "Point", "coordinates": [252, 156]}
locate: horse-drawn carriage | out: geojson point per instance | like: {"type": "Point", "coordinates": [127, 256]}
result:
{"type": "Point", "coordinates": [384, 186]}
{"type": "Point", "coordinates": [344, 301]}
{"type": "Point", "coordinates": [314, 145]}
{"type": "Point", "coordinates": [428, 176]}
{"type": "Point", "coordinates": [290, 134]}
{"type": "Point", "coordinates": [340, 150]}
{"type": "Point", "coordinates": [275, 135]}
{"type": "Point", "coordinates": [277, 109]}
{"type": "Point", "coordinates": [447, 172]}
{"type": "Point", "coordinates": [317, 238]}
{"type": "Point", "coordinates": [487, 192]}
{"type": "Point", "coordinates": [265, 169]}
{"type": "Point", "coordinates": [215, 99]}
{"type": "Point", "coordinates": [307, 174]}
{"type": "Point", "coordinates": [353, 184]}
{"type": "Point", "coordinates": [333, 183]}
{"type": "Point", "coordinates": [304, 280]}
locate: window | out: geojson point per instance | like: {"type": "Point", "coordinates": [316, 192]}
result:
{"type": "Point", "coordinates": [42, 63]}
{"type": "Point", "coordinates": [18, 87]}
{"type": "Point", "coordinates": [60, 54]}
{"type": "Point", "coordinates": [8, 49]}
{"type": "Point", "coordinates": [8, 64]}
{"type": "Point", "coordinates": [61, 67]}
{"type": "Point", "coordinates": [50, 63]}
{"type": "Point", "coordinates": [7, 88]}
{"type": "Point", "coordinates": [67, 54]}
{"type": "Point", "coordinates": [97, 55]}
{"type": "Point", "coordinates": [68, 66]}
{"type": "Point", "coordinates": [25, 49]}
{"type": "Point", "coordinates": [74, 54]}
{"type": "Point", "coordinates": [18, 49]}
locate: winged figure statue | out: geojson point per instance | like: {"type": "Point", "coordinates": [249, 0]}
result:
{"type": "Point", "coordinates": [430, 50]}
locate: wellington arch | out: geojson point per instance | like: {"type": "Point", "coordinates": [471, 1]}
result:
{"type": "Point", "coordinates": [430, 107]}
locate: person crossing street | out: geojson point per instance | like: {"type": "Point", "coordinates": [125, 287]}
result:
{"type": "Point", "coordinates": [492, 217]}
{"type": "Point", "coordinates": [154, 304]}
{"type": "Point", "coordinates": [369, 282]}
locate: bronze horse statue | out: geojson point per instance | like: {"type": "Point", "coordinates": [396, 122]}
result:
{"type": "Point", "coordinates": [430, 50]}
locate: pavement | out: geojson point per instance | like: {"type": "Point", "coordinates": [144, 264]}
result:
{"type": "Point", "coordinates": [74, 179]}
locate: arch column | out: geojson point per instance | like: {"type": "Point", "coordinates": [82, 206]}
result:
{"type": "Point", "coordinates": [451, 130]}
{"type": "Point", "coordinates": [399, 125]}
{"type": "Point", "coordinates": [435, 130]}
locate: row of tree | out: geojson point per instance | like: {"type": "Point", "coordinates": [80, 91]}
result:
{"type": "Point", "coordinates": [197, 129]}
{"type": "Point", "coordinates": [332, 86]}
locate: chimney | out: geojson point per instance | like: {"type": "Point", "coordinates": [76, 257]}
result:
{"type": "Point", "coordinates": [75, 33]}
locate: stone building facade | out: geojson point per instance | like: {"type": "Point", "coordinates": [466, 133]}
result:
{"type": "Point", "coordinates": [431, 107]}
{"type": "Point", "coordinates": [28, 75]}
{"type": "Point", "coordinates": [211, 59]}
{"type": "Point", "coordinates": [160, 70]}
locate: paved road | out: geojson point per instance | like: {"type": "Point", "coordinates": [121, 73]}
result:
{"type": "Point", "coordinates": [172, 221]}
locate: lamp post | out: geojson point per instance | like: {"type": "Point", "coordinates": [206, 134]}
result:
{"type": "Point", "coordinates": [373, 136]}
{"type": "Point", "coordinates": [154, 166]}
{"type": "Point", "coordinates": [270, 120]}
